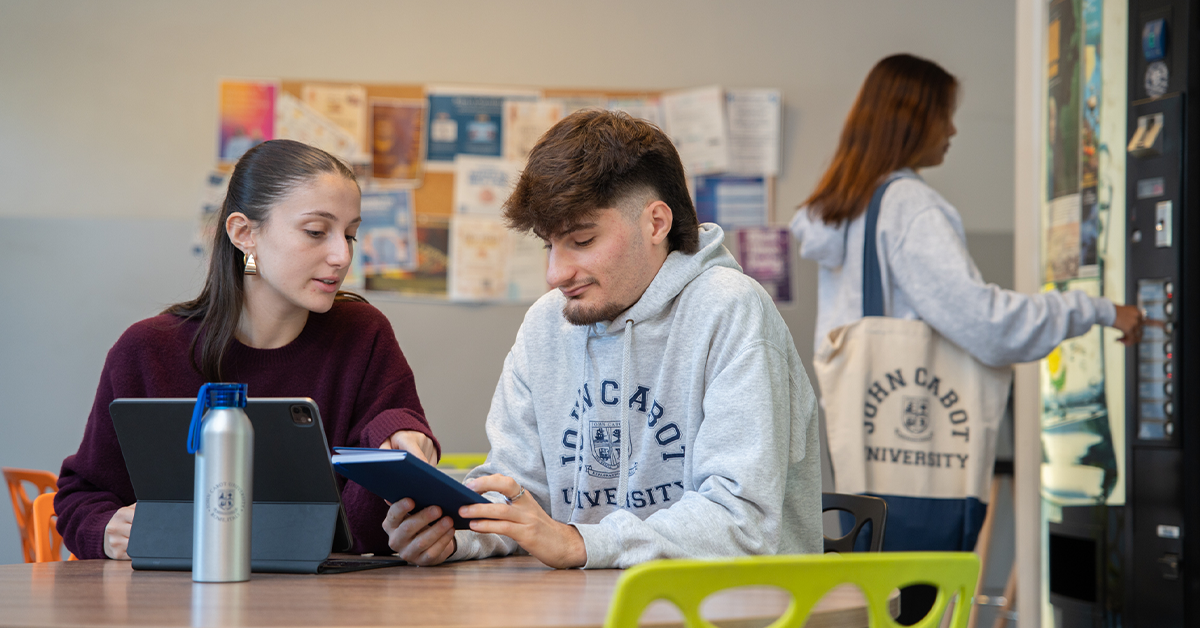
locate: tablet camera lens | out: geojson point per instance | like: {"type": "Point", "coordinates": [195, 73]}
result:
{"type": "Point", "coordinates": [301, 416]}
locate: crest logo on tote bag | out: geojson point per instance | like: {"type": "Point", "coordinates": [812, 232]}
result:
{"type": "Point", "coordinates": [915, 420]}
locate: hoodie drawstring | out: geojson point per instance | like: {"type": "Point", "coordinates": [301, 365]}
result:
{"type": "Point", "coordinates": [583, 429]}
{"type": "Point", "coordinates": [626, 441]}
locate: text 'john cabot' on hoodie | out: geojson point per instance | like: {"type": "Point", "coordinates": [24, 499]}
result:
{"type": "Point", "coordinates": [684, 428]}
{"type": "Point", "coordinates": [928, 275]}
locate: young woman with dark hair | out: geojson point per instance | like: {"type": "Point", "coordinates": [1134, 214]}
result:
{"type": "Point", "coordinates": [270, 315]}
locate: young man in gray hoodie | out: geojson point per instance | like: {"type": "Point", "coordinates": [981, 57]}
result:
{"type": "Point", "coordinates": [653, 405]}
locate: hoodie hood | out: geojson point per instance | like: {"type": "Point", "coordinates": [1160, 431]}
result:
{"type": "Point", "coordinates": [677, 272]}
{"type": "Point", "coordinates": [824, 244]}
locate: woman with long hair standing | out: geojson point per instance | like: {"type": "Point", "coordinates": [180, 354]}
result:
{"type": "Point", "coordinates": [271, 315]}
{"type": "Point", "coordinates": [900, 123]}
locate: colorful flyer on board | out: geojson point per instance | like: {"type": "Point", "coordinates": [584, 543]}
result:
{"type": "Point", "coordinates": [731, 201]}
{"type": "Point", "coordinates": [295, 120]}
{"type": "Point", "coordinates": [247, 117]}
{"type": "Point", "coordinates": [524, 124]}
{"type": "Point", "coordinates": [387, 242]}
{"type": "Point", "coordinates": [396, 129]}
{"type": "Point", "coordinates": [433, 256]}
{"type": "Point", "coordinates": [344, 105]}
{"type": "Point", "coordinates": [695, 120]}
{"type": "Point", "coordinates": [478, 258]}
{"type": "Point", "coordinates": [764, 255]}
{"type": "Point", "coordinates": [481, 185]}
{"type": "Point", "coordinates": [466, 121]}
{"type": "Point", "coordinates": [753, 116]}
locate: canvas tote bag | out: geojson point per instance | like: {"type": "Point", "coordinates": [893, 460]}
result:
{"type": "Point", "coordinates": [911, 418]}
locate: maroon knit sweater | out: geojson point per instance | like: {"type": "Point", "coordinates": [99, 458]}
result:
{"type": "Point", "coordinates": [346, 359]}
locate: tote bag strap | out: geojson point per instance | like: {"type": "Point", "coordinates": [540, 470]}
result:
{"type": "Point", "coordinates": [872, 275]}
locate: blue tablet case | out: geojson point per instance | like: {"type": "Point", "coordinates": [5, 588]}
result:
{"type": "Point", "coordinates": [394, 475]}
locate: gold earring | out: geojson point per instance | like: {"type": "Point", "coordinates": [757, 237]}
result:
{"type": "Point", "coordinates": [251, 266]}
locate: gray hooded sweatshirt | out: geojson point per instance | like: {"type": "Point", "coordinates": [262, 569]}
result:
{"type": "Point", "coordinates": [684, 428]}
{"type": "Point", "coordinates": [928, 275]}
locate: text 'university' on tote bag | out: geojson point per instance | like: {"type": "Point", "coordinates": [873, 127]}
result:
{"type": "Point", "coordinates": [911, 418]}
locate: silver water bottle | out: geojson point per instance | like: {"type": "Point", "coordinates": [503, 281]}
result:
{"type": "Point", "coordinates": [223, 440]}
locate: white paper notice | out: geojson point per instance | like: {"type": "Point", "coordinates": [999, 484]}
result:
{"type": "Point", "coordinates": [648, 109]}
{"type": "Point", "coordinates": [742, 204]}
{"type": "Point", "coordinates": [526, 267]}
{"type": "Point", "coordinates": [478, 259]}
{"type": "Point", "coordinates": [295, 120]}
{"type": "Point", "coordinates": [482, 184]}
{"type": "Point", "coordinates": [695, 120]}
{"type": "Point", "coordinates": [753, 130]}
{"type": "Point", "coordinates": [524, 124]}
{"type": "Point", "coordinates": [344, 105]}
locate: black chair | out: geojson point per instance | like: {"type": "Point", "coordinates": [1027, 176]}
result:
{"type": "Point", "coordinates": [864, 509]}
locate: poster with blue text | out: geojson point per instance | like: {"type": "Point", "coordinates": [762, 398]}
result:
{"type": "Point", "coordinates": [387, 240]}
{"type": "Point", "coordinates": [731, 201]}
{"type": "Point", "coordinates": [465, 121]}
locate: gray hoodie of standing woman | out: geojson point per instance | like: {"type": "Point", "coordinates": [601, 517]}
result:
{"type": "Point", "coordinates": [928, 275]}
{"type": "Point", "coordinates": [685, 428]}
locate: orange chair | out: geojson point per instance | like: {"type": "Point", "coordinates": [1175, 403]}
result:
{"type": "Point", "coordinates": [47, 541]}
{"type": "Point", "coordinates": [42, 481]}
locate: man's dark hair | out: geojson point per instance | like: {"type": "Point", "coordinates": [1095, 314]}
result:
{"type": "Point", "coordinates": [594, 160]}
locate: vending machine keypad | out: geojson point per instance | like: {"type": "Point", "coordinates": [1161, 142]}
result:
{"type": "Point", "coordinates": [1156, 355]}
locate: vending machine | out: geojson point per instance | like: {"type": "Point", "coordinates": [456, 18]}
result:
{"type": "Point", "coordinates": [1163, 420]}
{"type": "Point", "coordinates": [1122, 494]}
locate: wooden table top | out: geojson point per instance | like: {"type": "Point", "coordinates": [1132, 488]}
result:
{"type": "Point", "coordinates": [493, 593]}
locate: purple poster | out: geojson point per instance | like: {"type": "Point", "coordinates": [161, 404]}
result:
{"type": "Point", "coordinates": [763, 253]}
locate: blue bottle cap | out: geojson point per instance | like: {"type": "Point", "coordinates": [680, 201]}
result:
{"type": "Point", "coordinates": [213, 395]}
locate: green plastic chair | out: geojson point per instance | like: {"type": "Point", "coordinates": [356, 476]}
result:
{"type": "Point", "coordinates": [461, 461]}
{"type": "Point", "coordinates": [686, 583]}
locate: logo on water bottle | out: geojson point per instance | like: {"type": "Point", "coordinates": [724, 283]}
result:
{"type": "Point", "coordinates": [226, 501]}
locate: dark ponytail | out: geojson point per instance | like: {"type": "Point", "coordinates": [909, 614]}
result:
{"type": "Point", "coordinates": [263, 177]}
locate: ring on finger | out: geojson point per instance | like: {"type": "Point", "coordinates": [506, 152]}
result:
{"type": "Point", "coordinates": [515, 497]}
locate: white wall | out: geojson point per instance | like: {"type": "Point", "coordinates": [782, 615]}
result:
{"type": "Point", "coordinates": [108, 125]}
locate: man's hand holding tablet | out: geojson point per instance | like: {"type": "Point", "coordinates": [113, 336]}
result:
{"type": "Point", "coordinates": [522, 519]}
{"type": "Point", "coordinates": [426, 537]}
